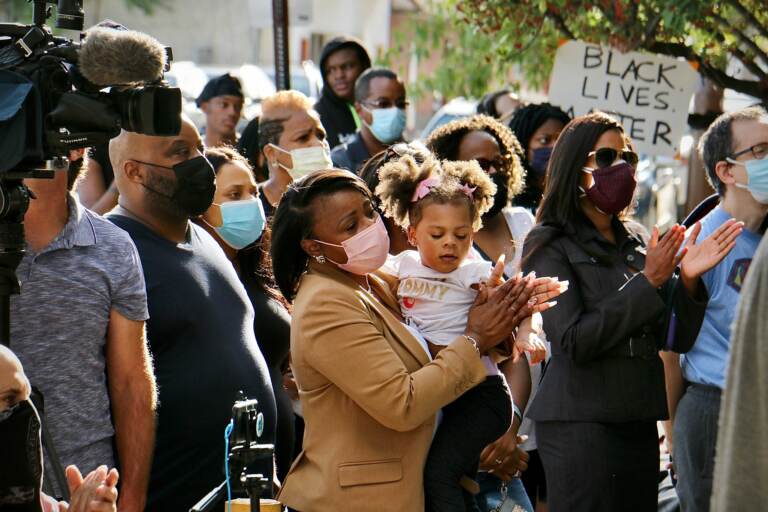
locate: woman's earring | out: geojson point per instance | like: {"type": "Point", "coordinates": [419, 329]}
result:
{"type": "Point", "coordinates": [320, 259]}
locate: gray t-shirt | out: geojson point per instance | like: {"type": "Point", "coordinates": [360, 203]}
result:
{"type": "Point", "coordinates": [59, 326]}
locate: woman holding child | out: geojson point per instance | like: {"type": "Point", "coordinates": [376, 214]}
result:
{"type": "Point", "coordinates": [369, 386]}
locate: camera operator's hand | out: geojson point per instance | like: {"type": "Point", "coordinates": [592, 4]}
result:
{"type": "Point", "coordinates": [97, 492]}
{"type": "Point", "coordinates": [495, 314]}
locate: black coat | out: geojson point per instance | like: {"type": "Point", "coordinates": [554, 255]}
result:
{"type": "Point", "coordinates": [352, 155]}
{"type": "Point", "coordinates": [607, 328]}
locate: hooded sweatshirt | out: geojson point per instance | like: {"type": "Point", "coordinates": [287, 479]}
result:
{"type": "Point", "coordinates": [336, 113]}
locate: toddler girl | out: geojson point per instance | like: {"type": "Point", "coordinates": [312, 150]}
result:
{"type": "Point", "coordinates": [440, 205]}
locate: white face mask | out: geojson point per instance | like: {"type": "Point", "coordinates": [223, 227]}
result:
{"type": "Point", "coordinates": [307, 160]}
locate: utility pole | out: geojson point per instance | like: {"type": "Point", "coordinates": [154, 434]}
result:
{"type": "Point", "coordinates": [280, 36]}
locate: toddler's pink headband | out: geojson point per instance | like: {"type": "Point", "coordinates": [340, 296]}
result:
{"type": "Point", "coordinates": [425, 187]}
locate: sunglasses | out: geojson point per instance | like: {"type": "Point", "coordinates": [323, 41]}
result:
{"type": "Point", "coordinates": [499, 164]}
{"type": "Point", "coordinates": [605, 157]}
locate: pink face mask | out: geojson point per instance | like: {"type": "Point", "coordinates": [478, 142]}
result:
{"type": "Point", "coordinates": [366, 251]}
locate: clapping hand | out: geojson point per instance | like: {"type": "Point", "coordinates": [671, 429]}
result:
{"type": "Point", "coordinates": [529, 339]}
{"type": "Point", "coordinates": [97, 492]}
{"type": "Point", "coordinates": [663, 256]}
{"type": "Point", "coordinates": [701, 257]}
{"type": "Point", "coordinates": [544, 290]}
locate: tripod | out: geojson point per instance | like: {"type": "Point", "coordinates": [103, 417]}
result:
{"type": "Point", "coordinates": [243, 434]}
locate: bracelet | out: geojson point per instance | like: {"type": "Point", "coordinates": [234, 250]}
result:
{"type": "Point", "coordinates": [516, 412]}
{"type": "Point", "coordinates": [474, 343]}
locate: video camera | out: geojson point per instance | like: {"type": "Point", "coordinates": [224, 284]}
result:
{"type": "Point", "coordinates": [53, 97]}
{"type": "Point", "coordinates": [52, 100]}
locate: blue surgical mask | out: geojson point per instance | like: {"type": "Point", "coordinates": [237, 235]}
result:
{"type": "Point", "coordinates": [388, 124]}
{"type": "Point", "coordinates": [757, 178]}
{"type": "Point", "coordinates": [242, 222]}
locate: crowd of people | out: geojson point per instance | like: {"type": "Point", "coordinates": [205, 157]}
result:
{"type": "Point", "coordinates": [472, 322]}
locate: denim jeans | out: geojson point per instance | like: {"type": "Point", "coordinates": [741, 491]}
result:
{"type": "Point", "coordinates": [695, 438]}
{"type": "Point", "coordinates": [490, 493]}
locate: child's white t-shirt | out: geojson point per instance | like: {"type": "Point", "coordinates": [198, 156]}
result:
{"type": "Point", "coordinates": [435, 303]}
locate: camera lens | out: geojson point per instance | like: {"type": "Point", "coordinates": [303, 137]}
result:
{"type": "Point", "coordinates": [149, 110]}
{"type": "Point", "coordinates": [69, 15]}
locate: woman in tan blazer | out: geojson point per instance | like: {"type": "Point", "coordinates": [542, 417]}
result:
{"type": "Point", "coordinates": [368, 389]}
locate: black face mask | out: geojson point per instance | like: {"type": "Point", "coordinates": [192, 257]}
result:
{"type": "Point", "coordinates": [195, 185]}
{"type": "Point", "coordinates": [501, 199]}
{"type": "Point", "coordinates": [21, 465]}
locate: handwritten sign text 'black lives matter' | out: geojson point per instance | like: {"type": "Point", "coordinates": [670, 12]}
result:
{"type": "Point", "coordinates": [648, 93]}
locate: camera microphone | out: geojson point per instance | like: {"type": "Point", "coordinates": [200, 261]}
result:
{"type": "Point", "coordinates": [111, 57]}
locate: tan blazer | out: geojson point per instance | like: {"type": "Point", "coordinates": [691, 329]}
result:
{"type": "Point", "coordinates": [369, 396]}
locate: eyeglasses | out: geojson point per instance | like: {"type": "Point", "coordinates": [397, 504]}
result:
{"type": "Point", "coordinates": [499, 164]}
{"type": "Point", "coordinates": [605, 157]}
{"type": "Point", "coordinates": [759, 151]}
{"type": "Point", "coordinates": [399, 103]}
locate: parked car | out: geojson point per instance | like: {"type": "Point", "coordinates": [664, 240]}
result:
{"type": "Point", "coordinates": [455, 109]}
{"type": "Point", "coordinates": [305, 78]}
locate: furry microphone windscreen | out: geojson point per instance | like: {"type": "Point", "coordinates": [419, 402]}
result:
{"type": "Point", "coordinates": [117, 57]}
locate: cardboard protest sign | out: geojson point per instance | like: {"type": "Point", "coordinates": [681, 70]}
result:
{"type": "Point", "coordinates": [648, 93]}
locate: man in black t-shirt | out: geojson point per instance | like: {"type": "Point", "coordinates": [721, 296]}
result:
{"type": "Point", "coordinates": [200, 330]}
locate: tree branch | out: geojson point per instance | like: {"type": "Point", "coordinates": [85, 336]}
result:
{"type": "Point", "coordinates": [745, 59]}
{"type": "Point", "coordinates": [749, 63]}
{"type": "Point", "coordinates": [747, 15]}
{"type": "Point", "coordinates": [754, 88]}
{"type": "Point", "coordinates": [650, 28]}
{"type": "Point", "coordinates": [742, 37]}
{"type": "Point", "coordinates": [633, 10]}
{"type": "Point", "coordinates": [560, 24]}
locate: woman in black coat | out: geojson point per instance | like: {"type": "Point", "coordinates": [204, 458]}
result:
{"type": "Point", "coordinates": [603, 389]}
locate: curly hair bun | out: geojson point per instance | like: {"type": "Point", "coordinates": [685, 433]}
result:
{"type": "Point", "coordinates": [400, 179]}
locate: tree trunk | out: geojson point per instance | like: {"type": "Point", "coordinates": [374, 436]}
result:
{"type": "Point", "coordinates": [708, 98]}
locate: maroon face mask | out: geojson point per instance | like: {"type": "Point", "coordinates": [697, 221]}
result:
{"type": "Point", "coordinates": [613, 187]}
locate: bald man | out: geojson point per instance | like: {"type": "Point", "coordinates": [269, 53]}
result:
{"type": "Point", "coordinates": [94, 493]}
{"type": "Point", "coordinates": [200, 327]}
{"type": "Point", "coordinates": [78, 329]}
{"type": "Point", "coordinates": [14, 384]}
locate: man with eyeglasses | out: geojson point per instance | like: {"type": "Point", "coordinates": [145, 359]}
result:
{"type": "Point", "coordinates": [380, 103]}
{"type": "Point", "coordinates": [734, 151]}
{"type": "Point", "coordinates": [222, 103]}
